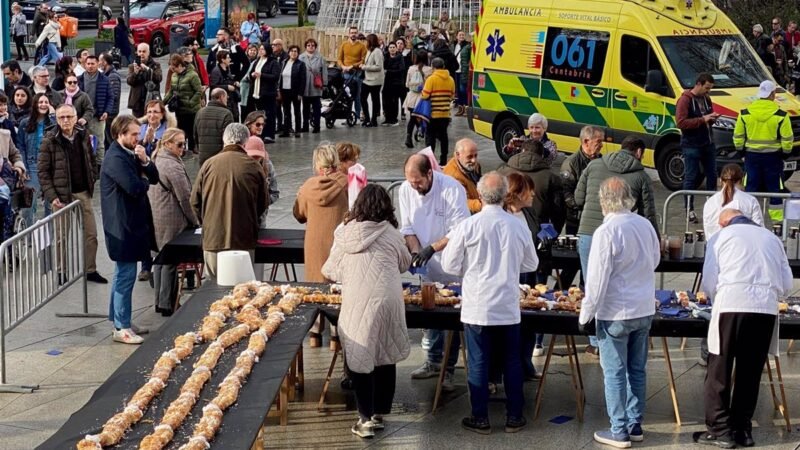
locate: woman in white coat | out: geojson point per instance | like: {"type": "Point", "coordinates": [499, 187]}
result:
{"type": "Point", "coordinates": [730, 197]}
{"type": "Point", "coordinates": [367, 257]}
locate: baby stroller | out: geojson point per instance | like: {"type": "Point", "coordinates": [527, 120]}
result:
{"type": "Point", "coordinates": [421, 116]}
{"type": "Point", "coordinates": [341, 107]}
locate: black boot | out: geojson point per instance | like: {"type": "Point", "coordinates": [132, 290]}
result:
{"type": "Point", "coordinates": [409, 143]}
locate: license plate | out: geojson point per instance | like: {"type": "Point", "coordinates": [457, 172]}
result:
{"type": "Point", "coordinates": [790, 165]}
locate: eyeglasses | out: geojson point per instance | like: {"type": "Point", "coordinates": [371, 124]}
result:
{"type": "Point", "coordinates": [46, 75]}
{"type": "Point", "coordinates": [72, 82]}
{"type": "Point", "coordinates": [258, 124]}
{"type": "Point", "coordinates": [64, 118]}
{"type": "Point", "coordinates": [776, 23]}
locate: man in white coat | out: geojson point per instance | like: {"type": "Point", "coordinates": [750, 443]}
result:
{"type": "Point", "coordinates": [431, 205]}
{"type": "Point", "coordinates": [745, 274]}
{"type": "Point", "coordinates": [490, 250]}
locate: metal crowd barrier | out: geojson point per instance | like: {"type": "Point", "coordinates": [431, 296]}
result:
{"type": "Point", "coordinates": [38, 264]}
{"type": "Point", "coordinates": [393, 182]}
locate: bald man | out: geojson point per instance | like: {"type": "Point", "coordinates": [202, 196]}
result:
{"type": "Point", "coordinates": [464, 167]}
{"type": "Point", "coordinates": [209, 124]}
{"type": "Point", "coordinates": [490, 250]}
{"type": "Point", "coordinates": [143, 70]}
{"type": "Point", "coordinates": [431, 205]}
{"type": "Point", "coordinates": [746, 273]}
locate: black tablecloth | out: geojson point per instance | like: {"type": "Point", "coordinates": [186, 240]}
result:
{"type": "Point", "coordinates": [241, 421]}
{"type": "Point", "coordinates": [187, 247]}
{"type": "Point", "coordinates": [561, 322]}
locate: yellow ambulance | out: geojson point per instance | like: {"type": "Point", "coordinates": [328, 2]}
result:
{"type": "Point", "coordinates": [620, 65]}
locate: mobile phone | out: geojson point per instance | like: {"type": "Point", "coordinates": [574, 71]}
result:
{"type": "Point", "coordinates": [137, 60]}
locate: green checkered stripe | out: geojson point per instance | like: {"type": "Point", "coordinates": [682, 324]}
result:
{"type": "Point", "coordinates": [525, 95]}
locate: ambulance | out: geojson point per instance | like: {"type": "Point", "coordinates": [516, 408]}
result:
{"type": "Point", "coordinates": [619, 65]}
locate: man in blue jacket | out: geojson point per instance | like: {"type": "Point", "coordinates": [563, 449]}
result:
{"type": "Point", "coordinates": [98, 88]}
{"type": "Point", "coordinates": [127, 219]}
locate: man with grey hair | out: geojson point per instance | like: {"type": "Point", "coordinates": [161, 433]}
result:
{"type": "Point", "coordinates": [619, 297]}
{"type": "Point", "coordinates": [210, 123]}
{"type": "Point", "coordinates": [41, 85]}
{"type": "Point", "coordinates": [490, 250]}
{"type": "Point", "coordinates": [144, 76]}
{"type": "Point", "coordinates": [228, 197]}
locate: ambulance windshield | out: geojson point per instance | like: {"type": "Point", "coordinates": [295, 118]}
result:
{"type": "Point", "coordinates": [728, 58]}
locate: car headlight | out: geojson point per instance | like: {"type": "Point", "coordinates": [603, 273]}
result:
{"type": "Point", "coordinates": [725, 123]}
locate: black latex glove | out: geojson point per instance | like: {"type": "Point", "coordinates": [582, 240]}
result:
{"type": "Point", "coordinates": [422, 258]}
{"type": "Point", "coordinates": [588, 328]}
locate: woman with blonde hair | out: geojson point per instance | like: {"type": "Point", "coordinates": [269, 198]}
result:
{"type": "Point", "coordinates": [730, 197]}
{"type": "Point", "coordinates": [155, 121]}
{"type": "Point", "coordinates": [321, 204]}
{"type": "Point", "coordinates": [172, 212]}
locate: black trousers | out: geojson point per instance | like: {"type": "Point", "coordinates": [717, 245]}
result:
{"type": "Point", "coordinates": [269, 105]}
{"type": "Point", "coordinates": [374, 390]}
{"type": "Point", "coordinates": [391, 103]}
{"type": "Point", "coordinates": [290, 102]}
{"type": "Point", "coordinates": [21, 49]}
{"type": "Point", "coordinates": [186, 123]}
{"type": "Point", "coordinates": [744, 338]}
{"type": "Point", "coordinates": [373, 92]}
{"type": "Point", "coordinates": [437, 130]}
{"type": "Point", "coordinates": [312, 111]}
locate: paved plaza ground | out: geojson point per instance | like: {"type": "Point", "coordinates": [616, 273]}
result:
{"type": "Point", "coordinates": [85, 355]}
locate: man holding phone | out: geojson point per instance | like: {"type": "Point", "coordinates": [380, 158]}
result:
{"type": "Point", "coordinates": [695, 115]}
{"type": "Point", "coordinates": [143, 70]}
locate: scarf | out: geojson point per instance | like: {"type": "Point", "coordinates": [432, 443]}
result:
{"type": "Point", "coordinates": [257, 85]}
{"type": "Point", "coordinates": [68, 97]}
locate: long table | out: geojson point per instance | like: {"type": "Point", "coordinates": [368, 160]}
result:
{"type": "Point", "coordinates": [241, 422]}
{"type": "Point", "coordinates": [187, 247]}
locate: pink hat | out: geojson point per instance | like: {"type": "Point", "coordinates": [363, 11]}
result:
{"type": "Point", "coordinates": [255, 147]}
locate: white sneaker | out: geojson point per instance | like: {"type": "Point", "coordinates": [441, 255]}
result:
{"type": "Point", "coordinates": [377, 422]}
{"type": "Point", "coordinates": [538, 350]}
{"type": "Point", "coordinates": [127, 336]}
{"type": "Point", "coordinates": [447, 383]}
{"type": "Point", "coordinates": [428, 370]}
{"type": "Point", "coordinates": [363, 429]}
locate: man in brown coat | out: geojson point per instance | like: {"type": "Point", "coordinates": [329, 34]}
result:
{"type": "Point", "coordinates": [465, 169]}
{"type": "Point", "coordinates": [143, 70]}
{"type": "Point", "coordinates": [67, 172]}
{"type": "Point", "coordinates": [230, 181]}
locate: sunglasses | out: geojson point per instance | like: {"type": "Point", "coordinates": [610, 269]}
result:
{"type": "Point", "coordinates": [259, 124]}
{"type": "Point", "coordinates": [72, 82]}
{"type": "Point", "coordinates": [181, 144]}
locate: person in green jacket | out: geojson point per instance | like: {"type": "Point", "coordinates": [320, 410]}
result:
{"type": "Point", "coordinates": [186, 86]}
{"type": "Point", "coordinates": [764, 132]}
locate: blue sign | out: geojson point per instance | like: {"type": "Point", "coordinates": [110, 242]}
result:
{"type": "Point", "coordinates": [495, 47]}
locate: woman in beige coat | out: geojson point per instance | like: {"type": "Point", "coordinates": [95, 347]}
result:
{"type": "Point", "coordinates": [321, 204]}
{"type": "Point", "coordinates": [172, 211]}
{"type": "Point", "coordinates": [368, 256]}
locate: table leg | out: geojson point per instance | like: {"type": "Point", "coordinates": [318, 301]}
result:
{"type": "Point", "coordinates": [784, 404]}
{"type": "Point", "coordinates": [672, 389]}
{"type": "Point", "coordinates": [540, 387]}
{"type": "Point", "coordinates": [683, 343]}
{"type": "Point", "coordinates": [445, 358]}
{"type": "Point", "coordinates": [259, 442]}
{"type": "Point", "coordinates": [301, 378]}
{"type": "Point", "coordinates": [292, 379]}
{"type": "Point", "coordinates": [580, 373]}
{"type": "Point", "coordinates": [273, 273]}
{"type": "Point", "coordinates": [286, 272]}
{"type": "Point", "coordinates": [284, 399]}
{"type": "Point", "coordinates": [326, 385]}
{"type": "Point", "coordinates": [573, 360]}
{"type": "Point", "coordinates": [789, 347]}
{"type": "Point", "coordinates": [464, 355]}
{"type": "Point", "coordinates": [775, 402]}
{"type": "Point", "coordinates": [558, 279]}
{"type": "Point", "coordinates": [294, 274]}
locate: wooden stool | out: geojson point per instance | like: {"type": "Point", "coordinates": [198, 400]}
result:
{"type": "Point", "coordinates": [182, 268]}
{"type": "Point", "coordinates": [575, 369]}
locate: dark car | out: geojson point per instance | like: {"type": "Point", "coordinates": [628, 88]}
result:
{"type": "Point", "coordinates": [312, 6]}
{"type": "Point", "coordinates": [84, 11]}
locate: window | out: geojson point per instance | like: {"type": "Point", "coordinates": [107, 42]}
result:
{"type": "Point", "coordinates": [173, 9]}
{"type": "Point", "coordinates": [636, 58]}
{"type": "Point", "coordinates": [576, 56]}
{"type": "Point", "coordinates": [728, 58]}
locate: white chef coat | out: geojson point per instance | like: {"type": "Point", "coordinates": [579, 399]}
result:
{"type": "Point", "coordinates": [742, 201]}
{"type": "Point", "coordinates": [490, 250]}
{"type": "Point", "coordinates": [621, 283]}
{"type": "Point", "coordinates": [745, 271]}
{"type": "Point", "coordinates": [431, 216]}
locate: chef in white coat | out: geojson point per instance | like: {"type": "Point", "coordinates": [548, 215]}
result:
{"type": "Point", "coordinates": [745, 274]}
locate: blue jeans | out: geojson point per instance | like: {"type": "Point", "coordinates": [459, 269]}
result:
{"type": "Point", "coordinates": [481, 340]}
{"type": "Point", "coordinates": [461, 89]}
{"type": "Point", "coordinates": [584, 245]}
{"type": "Point", "coordinates": [119, 308]}
{"type": "Point", "coordinates": [433, 342]}
{"type": "Point", "coordinates": [623, 357]}
{"type": "Point", "coordinates": [764, 172]}
{"type": "Point", "coordinates": [355, 91]}
{"type": "Point", "coordinates": [693, 157]}
{"type": "Point", "coordinates": [52, 54]}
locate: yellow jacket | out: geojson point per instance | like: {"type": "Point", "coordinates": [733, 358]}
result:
{"type": "Point", "coordinates": [763, 128]}
{"type": "Point", "coordinates": [473, 198]}
{"type": "Point", "coordinates": [440, 89]}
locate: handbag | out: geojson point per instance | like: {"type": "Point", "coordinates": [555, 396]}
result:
{"type": "Point", "coordinates": [174, 102]}
{"type": "Point", "coordinates": [318, 84]}
{"type": "Point", "coordinates": [23, 197]}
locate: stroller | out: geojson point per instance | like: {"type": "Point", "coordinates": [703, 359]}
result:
{"type": "Point", "coordinates": [421, 116]}
{"type": "Point", "coordinates": [341, 104]}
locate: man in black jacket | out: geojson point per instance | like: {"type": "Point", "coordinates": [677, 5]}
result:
{"type": "Point", "coordinates": [239, 61]}
{"type": "Point", "coordinates": [210, 123]}
{"type": "Point", "coordinates": [14, 76]}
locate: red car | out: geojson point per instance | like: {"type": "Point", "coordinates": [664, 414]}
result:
{"type": "Point", "coordinates": [151, 20]}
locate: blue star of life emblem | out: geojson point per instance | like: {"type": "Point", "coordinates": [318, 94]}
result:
{"type": "Point", "coordinates": [495, 47]}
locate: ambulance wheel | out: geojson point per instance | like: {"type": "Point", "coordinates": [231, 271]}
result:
{"type": "Point", "coordinates": [506, 130]}
{"type": "Point", "coordinates": [671, 167]}
{"type": "Point", "coordinates": [329, 123]}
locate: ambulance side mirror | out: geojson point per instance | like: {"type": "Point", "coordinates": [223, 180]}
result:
{"type": "Point", "coordinates": [655, 82]}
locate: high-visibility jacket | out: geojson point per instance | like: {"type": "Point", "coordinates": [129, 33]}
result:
{"type": "Point", "coordinates": [763, 128]}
